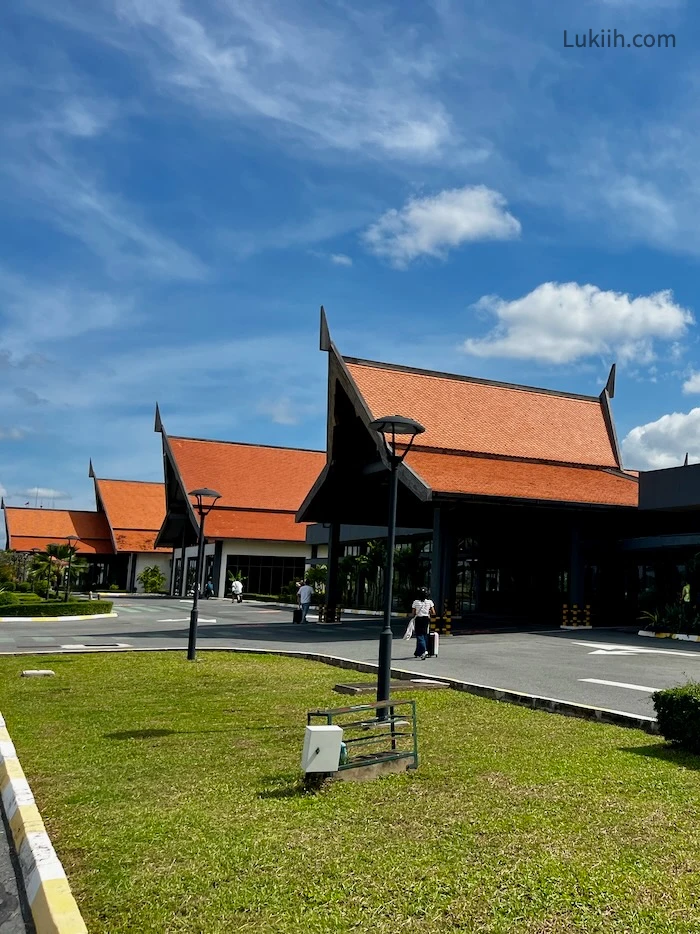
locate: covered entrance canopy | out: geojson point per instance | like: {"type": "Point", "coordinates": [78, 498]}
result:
{"type": "Point", "coordinates": [523, 488]}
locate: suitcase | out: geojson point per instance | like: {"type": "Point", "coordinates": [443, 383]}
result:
{"type": "Point", "coordinates": [433, 643]}
{"type": "Point", "coordinates": [297, 616]}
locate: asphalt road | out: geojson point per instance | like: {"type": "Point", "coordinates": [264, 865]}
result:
{"type": "Point", "coordinates": [617, 670]}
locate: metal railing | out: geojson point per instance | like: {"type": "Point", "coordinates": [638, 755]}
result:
{"type": "Point", "coordinates": [370, 740]}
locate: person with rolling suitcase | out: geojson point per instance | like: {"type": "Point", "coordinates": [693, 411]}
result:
{"type": "Point", "coordinates": [423, 610]}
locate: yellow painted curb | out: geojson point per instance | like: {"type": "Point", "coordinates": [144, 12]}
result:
{"type": "Point", "coordinates": [54, 619]}
{"type": "Point", "coordinates": [54, 909]}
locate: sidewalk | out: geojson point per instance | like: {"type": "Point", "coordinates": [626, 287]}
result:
{"type": "Point", "coordinates": [11, 892]}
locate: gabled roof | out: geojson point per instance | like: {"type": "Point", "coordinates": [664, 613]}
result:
{"type": "Point", "coordinates": [261, 486]}
{"type": "Point", "coordinates": [29, 528]}
{"type": "Point", "coordinates": [248, 476]}
{"type": "Point", "coordinates": [468, 415]}
{"type": "Point", "coordinates": [135, 511]}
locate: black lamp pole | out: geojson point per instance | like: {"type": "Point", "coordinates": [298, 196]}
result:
{"type": "Point", "coordinates": [394, 425]}
{"type": "Point", "coordinates": [70, 559]}
{"type": "Point", "coordinates": [203, 510]}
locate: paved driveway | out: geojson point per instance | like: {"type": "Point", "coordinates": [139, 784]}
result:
{"type": "Point", "coordinates": [616, 670]}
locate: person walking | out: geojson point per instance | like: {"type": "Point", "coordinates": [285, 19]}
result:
{"type": "Point", "coordinates": [304, 595]}
{"type": "Point", "coordinates": [423, 609]}
{"type": "Point", "coordinates": [208, 590]}
{"type": "Point", "coordinates": [236, 592]}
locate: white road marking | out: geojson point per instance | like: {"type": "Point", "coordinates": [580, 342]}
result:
{"type": "Point", "coordinates": [610, 652]}
{"type": "Point", "coordinates": [202, 619]}
{"type": "Point", "coordinates": [100, 645]}
{"type": "Point", "coordinates": [636, 650]}
{"type": "Point", "coordinates": [620, 684]}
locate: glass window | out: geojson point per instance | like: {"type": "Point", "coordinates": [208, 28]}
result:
{"type": "Point", "coordinates": [264, 574]}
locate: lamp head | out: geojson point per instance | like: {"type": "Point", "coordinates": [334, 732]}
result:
{"type": "Point", "coordinates": [397, 425]}
{"type": "Point", "coordinates": [205, 498]}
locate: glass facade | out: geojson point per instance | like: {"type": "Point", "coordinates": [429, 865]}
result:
{"type": "Point", "coordinates": [264, 574]}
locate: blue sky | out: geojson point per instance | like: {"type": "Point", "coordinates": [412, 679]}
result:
{"type": "Point", "coordinates": [184, 184]}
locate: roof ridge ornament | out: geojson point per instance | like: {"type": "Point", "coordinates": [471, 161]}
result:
{"type": "Point", "coordinates": [685, 462]}
{"type": "Point", "coordinates": [610, 385]}
{"type": "Point", "coordinates": [158, 426]}
{"type": "Point", "coordinates": [91, 471]}
{"type": "Point", "coordinates": [325, 334]}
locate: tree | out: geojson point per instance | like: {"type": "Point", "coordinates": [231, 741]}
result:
{"type": "Point", "coordinates": [152, 579]}
{"type": "Point", "coordinates": [49, 567]}
{"type": "Point", "coordinates": [316, 576]}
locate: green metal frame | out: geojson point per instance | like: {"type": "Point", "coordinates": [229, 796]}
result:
{"type": "Point", "coordinates": [390, 730]}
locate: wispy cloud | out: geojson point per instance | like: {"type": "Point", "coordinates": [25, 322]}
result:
{"type": "Point", "coordinates": [564, 322]}
{"type": "Point", "coordinates": [340, 259]}
{"type": "Point", "coordinates": [12, 434]}
{"type": "Point", "coordinates": [433, 225]}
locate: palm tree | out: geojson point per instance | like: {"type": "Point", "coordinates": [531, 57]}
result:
{"type": "Point", "coordinates": [51, 565]}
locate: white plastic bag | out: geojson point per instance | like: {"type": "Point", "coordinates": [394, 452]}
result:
{"type": "Point", "coordinates": [409, 630]}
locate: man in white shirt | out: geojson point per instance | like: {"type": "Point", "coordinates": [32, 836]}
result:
{"type": "Point", "coordinates": [236, 592]}
{"type": "Point", "coordinates": [304, 595]}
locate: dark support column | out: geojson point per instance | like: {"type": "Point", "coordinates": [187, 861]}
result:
{"type": "Point", "coordinates": [216, 567]}
{"type": "Point", "coordinates": [183, 575]}
{"type": "Point", "coordinates": [576, 595]}
{"type": "Point", "coordinates": [332, 595]}
{"type": "Point", "coordinates": [441, 571]}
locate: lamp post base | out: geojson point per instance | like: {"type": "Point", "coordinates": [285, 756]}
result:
{"type": "Point", "coordinates": [384, 675]}
{"type": "Point", "coordinates": [192, 643]}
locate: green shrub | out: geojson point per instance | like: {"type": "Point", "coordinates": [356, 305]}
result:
{"type": "Point", "coordinates": [678, 714]}
{"type": "Point", "coordinates": [29, 598]}
{"type": "Point", "coordinates": [6, 598]}
{"type": "Point", "coordinates": [152, 579]}
{"type": "Point", "coordinates": [9, 586]}
{"type": "Point", "coordinates": [24, 587]}
{"type": "Point", "coordinates": [59, 608]}
{"type": "Point", "coordinates": [114, 588]}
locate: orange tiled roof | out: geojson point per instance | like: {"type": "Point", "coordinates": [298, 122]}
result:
{"type": "Point", "coordinates": [462, 414]}
{"type": "Point", "coordinates": [491, 476]}
{"type": "Point", "coordinates": [36, 528]}
{"type": "Point", "coordinates": [135, 511]}
{"type": "Point", "coordinates": [252, 523]}
{"type": "Point", "coordinates": [248, 476]}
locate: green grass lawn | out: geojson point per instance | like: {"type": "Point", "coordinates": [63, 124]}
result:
{"type": "Point", "coordinates": [171, 791]}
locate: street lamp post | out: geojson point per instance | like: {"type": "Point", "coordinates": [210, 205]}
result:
{"type": "Point", "coordinates": [392, 425]}
{"type": "Point", "coordinates": [70, 539]}
{"type": "Point", "coordinates": [203, 509]}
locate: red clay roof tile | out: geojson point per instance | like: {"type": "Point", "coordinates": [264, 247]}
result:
{"type": "Point", "coordinates": [36, 528]}
{"type": "Point", "coordinates": [491, 476]}
{"type": "Point", "coordinates": [135, 511]}
{"type": "Point", "coordinates": [248, 476]}
{"type": "Point", "coordinates": [243, 523]}
{"type": "Point", "coordinates": [462, 414]}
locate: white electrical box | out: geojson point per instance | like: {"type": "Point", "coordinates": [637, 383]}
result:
{"type": "Point", "coordinates": [321, 749]}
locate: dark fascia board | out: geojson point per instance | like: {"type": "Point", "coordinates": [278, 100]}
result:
{"type": "Point", "coordinates": [610, 425]}
{"type": "Point", "coordinates": [468, 379]}
{"type": "Point", "coordinates": [100, 506]}
{"type": "Point", "coordinates": [413, 481]}
{"type": "Point", "coordinates": [313, 492]}
{"type": "Point", "coordinates": [440, 498]}
{"type": "Point", "coordinates": [169, 460]}
{"type": "Point", "coordinates": [7, 527]}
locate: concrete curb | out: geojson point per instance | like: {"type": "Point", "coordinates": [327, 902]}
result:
{"type": "Point", "coordinates": [54, 619]}
{"type": "Point", "coordinates": [681, 636]}
{"type": "Point", "coordinates": [53, 907]}
{"type": "Point", "coordinates": [534, 701]}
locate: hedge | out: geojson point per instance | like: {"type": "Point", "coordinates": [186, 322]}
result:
{"type": "Point", "coordinates": [60, 608]}
{"type": "Point", "coordinates": [678, 715]}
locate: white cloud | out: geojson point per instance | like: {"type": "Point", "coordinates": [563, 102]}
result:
{"type": "Point", "coordinates": [281, 411]}
{"type": "Point", "coordinates": [348, 82]}
{"type": "Point", "coordinates": [692, 384]}
{"type": "Point", "coordinates": [12, 434]}
{"type": "Point", "coordinates": [431, 226]}
{"type": "Point", "coordinates": [563, 322]}
{"type": "Point", "coordinates": [663, 443]}
{"type": "Point", "coordinates": [340, 259]}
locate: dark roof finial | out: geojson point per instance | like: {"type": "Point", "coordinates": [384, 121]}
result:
{"type": "Point", "coordinates": [159, 423]}
{"type": "Point", "coordinates": [325, 335]}
{"type": "Point", "coordinates": [610, 385]}
{"type": "Point", "coordinates": [685, 462]}
{"type": "Point", "coordinates": [91, 471]}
